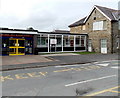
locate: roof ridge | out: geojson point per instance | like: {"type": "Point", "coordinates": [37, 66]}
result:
{"type": "Point", "coordinates": [106, 7]}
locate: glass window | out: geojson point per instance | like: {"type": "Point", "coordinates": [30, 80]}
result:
{"type": "Point", "coordinates": [77, 41]}
{"type": "Point", "coordinates": [43, 41]}
{"type": "Point", "coordinates": [59, 40]}
{"type": "Point", "coordinates": [82, 40]}
{"type": "Point", "coordinates": [103, 43]}
{"type": "Point", "coordinates": [38, 40]}
{"type": "Point", "coordinates": [5, 42]}
{"type": "Point", "coordinates": [98, 25]}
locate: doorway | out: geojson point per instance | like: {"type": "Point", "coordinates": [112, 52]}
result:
{"type": "Point", "coordinates": [104, 46]}
{"type": "Point", "coordinates": [16, 46]}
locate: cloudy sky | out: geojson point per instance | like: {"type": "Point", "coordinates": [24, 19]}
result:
{"type": "Point", "coordinates": [47, 15]}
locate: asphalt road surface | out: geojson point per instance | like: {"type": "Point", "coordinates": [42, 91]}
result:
{"type": "Point", "coordinates": [91, 79]}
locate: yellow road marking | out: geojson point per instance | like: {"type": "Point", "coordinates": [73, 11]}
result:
{"type": "Point", "coordinates": [43, 73]}
{"type": "Point", "coordinates": [33, 74]}
{"type": "Point", "coordinates": [5, 78]}
{"type": "Point", "coordinates": [63, 70]}
{"type": "Point", "coordinates": [115, 91]}
{"type": "Point", "coordinates": [79, 69]}
{"type": "Point", "coordinates": [103, 91]}
{"type": "Point", "coordinates": [22, 76]}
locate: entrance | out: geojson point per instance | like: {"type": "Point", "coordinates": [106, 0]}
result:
{"type": "Point", "coordinates": [53, 43]}
{"type": "Point", "coordinates": [16, 46]}
{"type": "Point", "coordinates": [103, 46]}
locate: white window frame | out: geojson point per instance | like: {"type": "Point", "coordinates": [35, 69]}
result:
{"type": "Point", "coordinates": [98, 25]}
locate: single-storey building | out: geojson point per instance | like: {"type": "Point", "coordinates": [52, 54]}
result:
{"type": "Point", "coordinates": [30, 41]}
{"type": "Point", "coordinates": [102, 25]}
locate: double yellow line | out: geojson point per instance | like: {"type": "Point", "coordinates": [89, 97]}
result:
{"type": "Point", "coordinates": [104, 91]}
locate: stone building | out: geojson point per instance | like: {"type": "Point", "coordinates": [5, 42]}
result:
{"type": "Point", "coordinates": [103, 27]}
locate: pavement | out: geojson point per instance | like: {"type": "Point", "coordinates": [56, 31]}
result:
{"type": "Point", "coordinates": [36, 61]}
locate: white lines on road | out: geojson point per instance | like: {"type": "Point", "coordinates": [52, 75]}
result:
{"type": "Point", "coordinates": [116, 67]}
{"type": "Point", "coordinates": [110, 61]}
{"type": "Point", "coordinates": [71, 84]}
{"type": "Point", "coordinates": [103, 64]}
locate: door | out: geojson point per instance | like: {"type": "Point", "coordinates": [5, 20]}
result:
{"type": "Point", "coordinates": [16, 46]}
{"type": "Point", "coordinates": [103, 46]}
{"type": "Point", "coordinates": [53, 43]}
{"type": "Point", "coordinates": [90, 45]}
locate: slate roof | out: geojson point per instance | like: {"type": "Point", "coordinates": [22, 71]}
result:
{"type": "Point", "coordinates": [61, 31]}
{"type": "Point", "coordinates": [112, 14]}
{"type": "Point", "coordinates": [80, 22]}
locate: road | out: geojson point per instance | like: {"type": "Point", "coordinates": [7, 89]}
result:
{"type": "Point", "coordinates": [91, 79]}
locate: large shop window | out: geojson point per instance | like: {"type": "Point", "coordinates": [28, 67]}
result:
{"type": "Point", "coordinates": [59, 41]}
{"type": "Point", "coordinates": [42, 41]}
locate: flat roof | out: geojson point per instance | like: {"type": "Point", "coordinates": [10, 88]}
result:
{"type": "Point", "coordinates": [27, 31]}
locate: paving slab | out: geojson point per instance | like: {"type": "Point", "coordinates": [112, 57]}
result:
{"type": "Point", "coordinates": [13, 60]}
{"type": "Point", "coordinates": [36, 61]}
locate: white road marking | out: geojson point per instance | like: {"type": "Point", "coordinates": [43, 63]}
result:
{"type": "Point", "coordinates": [110, 60]}
{"type": "Point", "coordinates": [116, 67]}
{"type": "Point", "coordinates": [96, 62]}
{"type": "Point", "coordinates": [90, 80]}
{"type": "Point", "coordinates": [103, 64]}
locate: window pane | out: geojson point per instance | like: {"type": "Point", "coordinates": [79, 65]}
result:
{"type": "Point", "coordinates": [43, 41]}
{"type": "Point", "coordinates": [38, 41]}
{"type": "Point", "coordinates": [98, 25]}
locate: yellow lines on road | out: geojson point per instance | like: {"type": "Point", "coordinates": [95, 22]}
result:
{"type": "Point", "coordinates": [104, 91]}
{"type": "Point", "coordinates": [79, 69]}
{"type": "Point", "coordinates": [5, 78]}
{"type": "Point", "coordinates": [39, 74]}
{"type": "Point", "coordinates": [115, 91]}
{"type": "Point", "coordinates": [22, 76]}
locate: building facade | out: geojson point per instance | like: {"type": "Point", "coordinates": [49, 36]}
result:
{"type": "Point", "coordinates": [26, 42]}
{"type": "Point", "coordinates": [17, 42]}
{"type": "Point", "coordinates": [97, 32]}
{"type": "Point", "coordinates": [102, 26]}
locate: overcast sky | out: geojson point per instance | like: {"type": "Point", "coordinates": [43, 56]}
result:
{"type": "Point", "coordinates": [47, 15]}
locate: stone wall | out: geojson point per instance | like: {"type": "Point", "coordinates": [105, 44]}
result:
{"type": "Point", "coordinates": [115, 35]}
{"type": "Point", "coordinates": [96, 35]}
